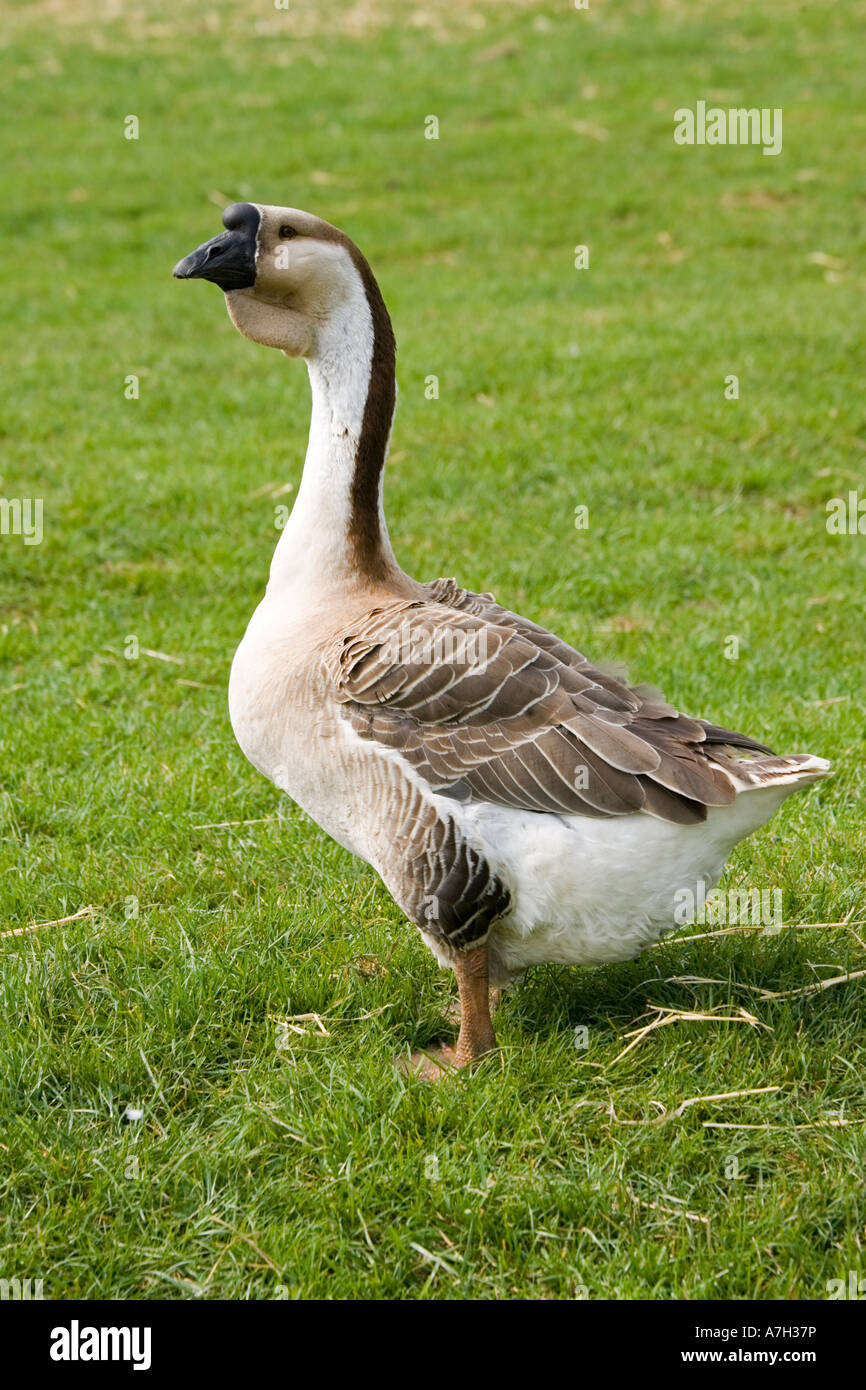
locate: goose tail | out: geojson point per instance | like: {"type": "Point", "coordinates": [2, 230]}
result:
{"type": "Point", "coordinates": [794, 770]}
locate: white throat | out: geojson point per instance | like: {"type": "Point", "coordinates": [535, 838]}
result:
{"type": "Point", "coordinates": [315, 548]}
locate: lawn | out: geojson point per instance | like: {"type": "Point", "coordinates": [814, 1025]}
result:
{"type": "Point", "coordinates": [231, 973]}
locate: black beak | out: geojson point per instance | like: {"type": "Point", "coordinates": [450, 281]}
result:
{"type": "Point", "coordinates": [229, 260]}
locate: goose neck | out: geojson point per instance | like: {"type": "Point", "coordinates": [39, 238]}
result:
{"type": "Point", "coordinates": [336, 533]}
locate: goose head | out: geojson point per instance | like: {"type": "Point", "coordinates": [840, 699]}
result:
{"type": "Point", "coordinates": [288, 277]}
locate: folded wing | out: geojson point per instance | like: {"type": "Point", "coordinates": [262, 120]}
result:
{"type": "Point", "coordinates": [487, 706]}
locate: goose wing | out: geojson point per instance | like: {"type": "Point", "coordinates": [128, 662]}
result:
{"type": "Point", "coordinates": [487, 706]}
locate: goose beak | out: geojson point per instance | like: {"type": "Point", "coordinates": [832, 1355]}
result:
{"type": "Point", "coordinates": [229, 260]}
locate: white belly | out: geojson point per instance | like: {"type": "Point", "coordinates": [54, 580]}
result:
{"type": "Point", "coordinates": [589, 892]}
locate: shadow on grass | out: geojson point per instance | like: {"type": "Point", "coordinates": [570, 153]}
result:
{"type": "Point", "coordinates": [552, 998]}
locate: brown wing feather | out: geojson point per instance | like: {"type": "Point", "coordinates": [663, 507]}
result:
{"type": "Point", "coordinates": [486, 705]}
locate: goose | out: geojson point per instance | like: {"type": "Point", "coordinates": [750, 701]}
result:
{"type": "Point", "coordinates": [521, 804]}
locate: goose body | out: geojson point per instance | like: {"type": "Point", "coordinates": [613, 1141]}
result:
{"type": "Point", "coordinates": [580, 889]}
{"type": "Point", "coordinates": [520, 804]}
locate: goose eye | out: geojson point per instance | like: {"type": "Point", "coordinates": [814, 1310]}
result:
{"type": "Point", "coordinates": [287, 232]}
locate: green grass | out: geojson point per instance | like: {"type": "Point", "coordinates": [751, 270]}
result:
{"type": "Point", "coordinates": [261, 1170]}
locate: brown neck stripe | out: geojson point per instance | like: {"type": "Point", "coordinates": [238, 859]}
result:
{"type": "Point", "coordinates": [365, 531]}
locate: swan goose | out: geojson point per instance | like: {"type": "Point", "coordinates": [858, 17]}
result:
{"type": "Point", "coordinates": [520, 804]}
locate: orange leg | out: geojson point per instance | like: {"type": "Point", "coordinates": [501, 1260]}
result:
{"type": "Point", "coordinates": [476, 1031]}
